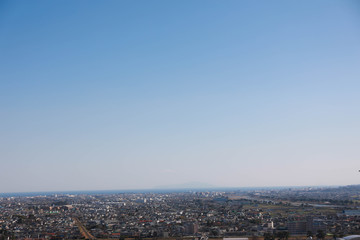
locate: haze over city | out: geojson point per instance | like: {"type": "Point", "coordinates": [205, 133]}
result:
{"type": "Point", "coordinates": [100, 95]}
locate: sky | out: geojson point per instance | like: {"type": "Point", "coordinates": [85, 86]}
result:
{"type": "Point", "coordinates": [106, 95]}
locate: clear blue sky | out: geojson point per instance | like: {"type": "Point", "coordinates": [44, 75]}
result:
{"type": "Point", "coordinates": [136, 94]}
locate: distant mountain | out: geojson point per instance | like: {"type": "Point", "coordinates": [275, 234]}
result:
{"type": "Point", "coordinates": [189, 185]}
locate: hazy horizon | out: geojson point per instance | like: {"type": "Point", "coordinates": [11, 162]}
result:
{"type": "Point", "coordinates": [176, 189]}
{"type": "Point", "coordinates": [136, 94]}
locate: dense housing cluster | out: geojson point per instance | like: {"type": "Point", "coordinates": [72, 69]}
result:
{"type": "Point", "coordinates": [269, 213]}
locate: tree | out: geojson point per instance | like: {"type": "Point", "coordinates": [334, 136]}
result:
{"type": "Point", "coordinates": [269, 236]}
{"type": "Point", "coordinates": [282, 235]}
{"type": "Point", "coordinates": [320, 234]}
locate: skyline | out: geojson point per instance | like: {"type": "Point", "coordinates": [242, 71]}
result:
{"type": "Point", "coordinates": [180, 188]}
{"type": "Point", "coordinates": [137, 94]}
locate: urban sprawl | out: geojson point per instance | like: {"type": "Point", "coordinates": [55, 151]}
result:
{"type": "Point", "coordinates": [296, 213]}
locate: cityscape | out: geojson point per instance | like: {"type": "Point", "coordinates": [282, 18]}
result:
{"type": "Point", "coordinates": [263, 213]}
{"type": "Point", "coordinates": [180, 119]}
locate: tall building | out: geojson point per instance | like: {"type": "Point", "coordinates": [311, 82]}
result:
{"type": "Point", "coordinates": [191, 228]}
{"type": "Point", "coordinates": [297, 227]}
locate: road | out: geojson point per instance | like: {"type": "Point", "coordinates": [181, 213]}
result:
{"type": "Point", "coordinates": [83, 229]}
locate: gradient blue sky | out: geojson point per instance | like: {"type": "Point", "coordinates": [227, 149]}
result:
{"type": "Point", "coordinates": [136, 94]}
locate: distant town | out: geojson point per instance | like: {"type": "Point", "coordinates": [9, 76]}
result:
{"type": "Point", "coordinates": [282, 213]}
